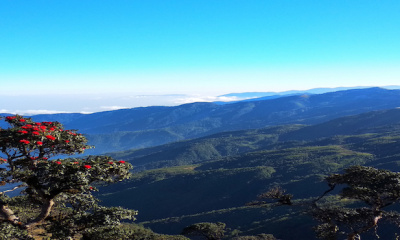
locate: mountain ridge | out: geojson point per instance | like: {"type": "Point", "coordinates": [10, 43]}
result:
{"type": "Point", "coordinates": [135, 128]}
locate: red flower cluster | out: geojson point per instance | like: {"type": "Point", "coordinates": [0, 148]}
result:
{"type": "Point", "coordinates": [87, 166]}
{"type": "Point", "coordinates": [24, 141]}
{"type": "Point", "coordinates": [34, 158]}
{"type": "Point", "coordinates": [58, 162]}
{"type": "Point", "coordinates": [50, 137]}
{"type": "Point", "coordinates": [67, 141]}
{"type": "Point", "coordinates": [122, 161]}
{"type": "Point", "coordinates": [9, 118]}
{"type": "Point", "coordinates": [39, 143]}
{"type": "Point", "coordinates": [22, 120]}
{"type": "Point", "coordinates": [23, 131]}
{"type": "Point", "coordinates": [35, 133]}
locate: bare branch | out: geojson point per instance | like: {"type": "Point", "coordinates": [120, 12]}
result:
{"type": "Point", "coordinates": [15, 188]}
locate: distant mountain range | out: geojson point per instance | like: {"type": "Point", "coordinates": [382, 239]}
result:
{"type": "Point", "coordinates": [151, 126]}
{"type": "Point", "coordinates": [267, 95]}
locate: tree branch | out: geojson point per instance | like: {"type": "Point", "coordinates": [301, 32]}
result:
{"type": "Point", "coordinates": [15, 188]}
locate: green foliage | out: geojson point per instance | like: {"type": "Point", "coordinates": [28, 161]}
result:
{"type": "Point", "coordinates": [375, 188]}
{"type": "Point", "coordinates": [126, 231]}
{"type": "Point", "coordinates": [258, 237]}
{"type": "Point", "coordinates": [10, 232]}
{"type": "Point", "coordinates": [60, 189]}
{"type": "Point", "coordinates": [206, 230]}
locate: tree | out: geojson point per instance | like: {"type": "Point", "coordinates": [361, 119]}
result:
{"type": "Point", "coordinates": [370, 190]}
{"type": "Point", "coordinates": [258, 237]}
{"type": "Point", "coordinates": [375, 189]}
{"type": "Point", "coordinates": [63, 187]}
{"type": "Point", "coordinates": [205, 230]}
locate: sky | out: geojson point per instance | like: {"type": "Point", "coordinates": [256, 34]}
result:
{"type": "Point", "coordinates": [97, 55]}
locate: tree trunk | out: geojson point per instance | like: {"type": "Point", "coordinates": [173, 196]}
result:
{"type": "Point", "coordinates": [8, 214]}
{"type": "Point", "coordinates": [374, 223]}
{"type": "Point", "coordinates": [45, 212]}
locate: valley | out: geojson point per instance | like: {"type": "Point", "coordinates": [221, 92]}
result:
{"type": "Point", "coordinates": [205, 162]}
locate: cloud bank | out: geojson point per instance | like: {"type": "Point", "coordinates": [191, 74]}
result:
{"type": "Point", "coordinates": [51, 104]}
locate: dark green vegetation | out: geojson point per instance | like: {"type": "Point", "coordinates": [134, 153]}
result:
{"type": "Point", "coordinates": [212, 178]}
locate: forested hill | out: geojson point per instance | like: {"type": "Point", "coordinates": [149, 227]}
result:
{"type": "Point", "coordinates": [210, 179]}
{"type": "Point", "coordinates": [151, 126]}
{"type": "Point", "coordinates": [238, 142]}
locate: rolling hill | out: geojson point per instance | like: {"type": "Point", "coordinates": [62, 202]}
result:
{"type": "Point", "coordinates": [239, 142]}
{"type": "Point", "coordinates": [217, 188]}
{"type": "Point", "coordinates": [151, 126]}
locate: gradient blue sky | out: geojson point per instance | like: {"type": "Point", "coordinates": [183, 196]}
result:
{"type": "Point", "coordinates": [96, 54]}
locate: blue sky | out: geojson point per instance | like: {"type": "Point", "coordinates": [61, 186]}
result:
{"type": "Point", "coordinates": [96, 55]}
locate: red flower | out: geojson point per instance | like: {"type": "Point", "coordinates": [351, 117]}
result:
{"type": "Point", "coordinates": [22, 120]}
{"type": "Point", "coordinates": [24, 141]}
{"type": "Point", "coordinates": [87, 166]}
{"type": "Point", "coordinates": [45, 158]}
{"type": "Point", "coordinates": [35, 133]}
{"type": "Point", "coordinates": [35, 129]}
{"type": "Point", "coordinates": [34, 158]}
{"type": "Point", "coordinates": [50, 137]}
{"type": "Point", "coordinates": [39, 143]}
{"type": "Point", "coordinates": [67, 141]}
{"type": "Point", "coordinates": [28, 126]}
{"type": "Point", "coordinates": [91, 188]}
{"type": "Point", "coordinates": [9, 118]}
{"type": "Point", "coordinates": [22, 131]}
{"type": "Point", "coordinates": [52, 129]}
{"type": "Point", "coordinates": [38, 124]}
{"type": "Point", "coordinates": [122, 161]}
{"type": "Point", "coordinates": [110, 163]}
{"type": "Point", "coordinates": [43, 127]}
{"type": "Point", "coordinates": [58, 162]}
{"type": "Point", "coordinates": [76, 162]}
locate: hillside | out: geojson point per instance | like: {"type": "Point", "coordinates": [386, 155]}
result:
{"type": "Point", "coordinates": [217, 189]}
{"type": "Point", "coordinates": [151, 126]}
{"type": "Point", "coordinates": [239, 142]}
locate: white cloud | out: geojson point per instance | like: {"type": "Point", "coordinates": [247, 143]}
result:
{"type": "Point", "coordinates": [88, 104]}
{"type": "Point", "coordinates": [32, 112]}
{"type": "Point", "coordinates": [110, 108]}
{"type": "Point", "coordinates": [191, 99]}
